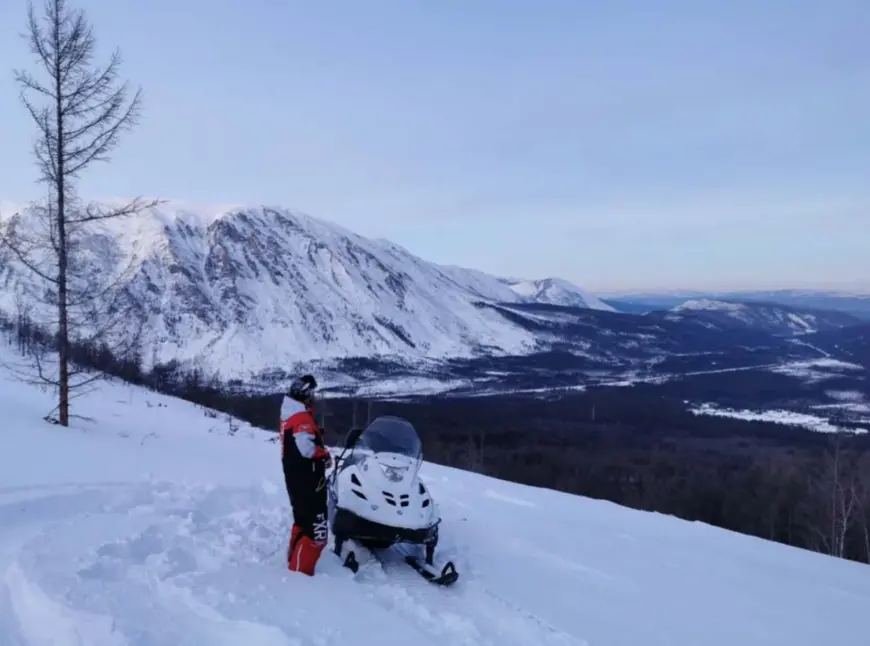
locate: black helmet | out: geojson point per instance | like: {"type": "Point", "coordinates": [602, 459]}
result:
{"type": "Point", "coordinates": [302, 389]}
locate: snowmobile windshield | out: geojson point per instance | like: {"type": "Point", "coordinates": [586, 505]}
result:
{"type": "Point", "coordinates": [391, 435]}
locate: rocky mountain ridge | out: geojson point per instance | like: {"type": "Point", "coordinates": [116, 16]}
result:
{"type": "Point", "coordinates": [240, 291]}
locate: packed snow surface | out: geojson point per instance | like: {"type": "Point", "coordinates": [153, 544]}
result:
{"type": "Point", "coordinates": [147, 524]}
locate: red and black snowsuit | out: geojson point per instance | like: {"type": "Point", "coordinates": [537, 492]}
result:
{"type": "Point", "coordinates": [304, 457]}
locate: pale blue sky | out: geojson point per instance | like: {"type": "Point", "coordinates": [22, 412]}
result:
{"type": "Point", "coordinates": [623, 144]}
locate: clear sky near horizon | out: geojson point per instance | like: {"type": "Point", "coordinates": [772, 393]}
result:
{"type": "Point", "coordinates": [620, 145]}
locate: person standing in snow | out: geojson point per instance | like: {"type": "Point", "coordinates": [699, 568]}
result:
{"type": "Point", "coordinates": [304, 458]}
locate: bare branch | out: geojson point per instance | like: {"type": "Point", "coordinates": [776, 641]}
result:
{"type": "Point", "coordinates": [29, 83]}
{"type": "Point", "coordinates": [96, 212]}
{"type": "Point", "coordinates": [19, 246]}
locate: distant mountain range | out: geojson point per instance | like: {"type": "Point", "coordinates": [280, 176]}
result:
{"type": "Point", "coordinates": [770, 317]}
{"type": "Point", "coordinates": [245, 291]}
{"type": "Point", "coordinates": [253, 295]}
{"type": "Point", "coordinates": [854, 303]}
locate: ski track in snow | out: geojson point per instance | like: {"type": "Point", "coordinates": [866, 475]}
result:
{"type": "Point", "coordinates": [140, 564]}
{"type": "Point", "coordinates": [160, 563]}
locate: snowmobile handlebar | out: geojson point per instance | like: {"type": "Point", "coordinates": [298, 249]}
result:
{"type": "Point", "coordinates": [349, 441]}
{"type": "Point", "coordinates": [352, 436]}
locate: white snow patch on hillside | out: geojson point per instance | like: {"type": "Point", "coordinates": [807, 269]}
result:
{"type": "Point", "coordinates": [799, 322]}
{"type": "Point", "coordinates": [707, 304]}
{"type": "Point", "coordinates": [816, 370]}
{"type": "Point", "coordinates": [483, 389]}
{"type": "Point", "coordinates": [848, 401]}
{"type": "Point", "coordinates": [551, 317]}
{"type": "Point", "coordinates": [792, 418]}
{"type": "Point", "coordinates": [525, 288]}
{"type": "Point", "coordinates": [827, 363]}
{"type": "Point", "coordinates": [148, 526]}
{"type": "Point", "coordinates": [409, 385]}
{"type": "Point", "coordinates": [853, 396]}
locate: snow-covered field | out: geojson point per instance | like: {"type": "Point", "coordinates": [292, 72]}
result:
{"type": "Point", "coordinates": [777, 416]}
{"type": "Point", "coordinates": [149, 525]}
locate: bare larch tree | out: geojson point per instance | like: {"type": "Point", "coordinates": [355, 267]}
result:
{"type": "Point", "coordinates": [80, 110]}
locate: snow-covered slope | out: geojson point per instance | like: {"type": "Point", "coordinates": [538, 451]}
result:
{"type": "Point", "coordinates": [148, 524]}
{"type": "Point", "coordinates": [768, 317]}
{"type": "Point", "coordinates": [244, 290]}
{"type": "Point", "coordinates": [555, 291]}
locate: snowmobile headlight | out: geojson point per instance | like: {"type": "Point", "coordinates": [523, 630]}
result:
{"type": "Point", "coordinates": [394, 474]}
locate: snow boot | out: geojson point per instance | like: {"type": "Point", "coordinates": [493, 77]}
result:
{"type": "Point", "coordinates": [303, 552]}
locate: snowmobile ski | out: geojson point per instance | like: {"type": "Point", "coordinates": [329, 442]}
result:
{"type": "Point", "coordinates": [446, 577]}
{"type": "Point", "coordinates": [352, 555]}
{"type": "Point", "coordinates": [351, 563]}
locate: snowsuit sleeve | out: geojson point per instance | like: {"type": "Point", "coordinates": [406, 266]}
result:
{"type": "Point", "coordinates": [301, 427]}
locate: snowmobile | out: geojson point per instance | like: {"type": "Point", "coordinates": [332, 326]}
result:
{"type": "Point", "coordinates": [377, 500]}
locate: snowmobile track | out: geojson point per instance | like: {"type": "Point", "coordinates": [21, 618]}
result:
{"type": "Point", "coordinates": [468, 614]}
{"type": "Point", "coordinates": [153, 565]}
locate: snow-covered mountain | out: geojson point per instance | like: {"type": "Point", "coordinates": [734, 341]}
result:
{"type": "Point", "coordinates": [245, 290]}
{"type": "Point", "coordinates": [768, 317]}
{"type": "Point", "coordinates": [146, 523]}
{"type": "Point", "coordinates": [555, 291]}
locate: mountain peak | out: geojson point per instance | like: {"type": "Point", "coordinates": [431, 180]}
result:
{"type": "Point", "coordinates": [241, 290]}
{"type": "Point", "coordinates": [557, 291]}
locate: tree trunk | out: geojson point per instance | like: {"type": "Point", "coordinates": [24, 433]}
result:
{"type": "Point", "coordinates": [63, 321]}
